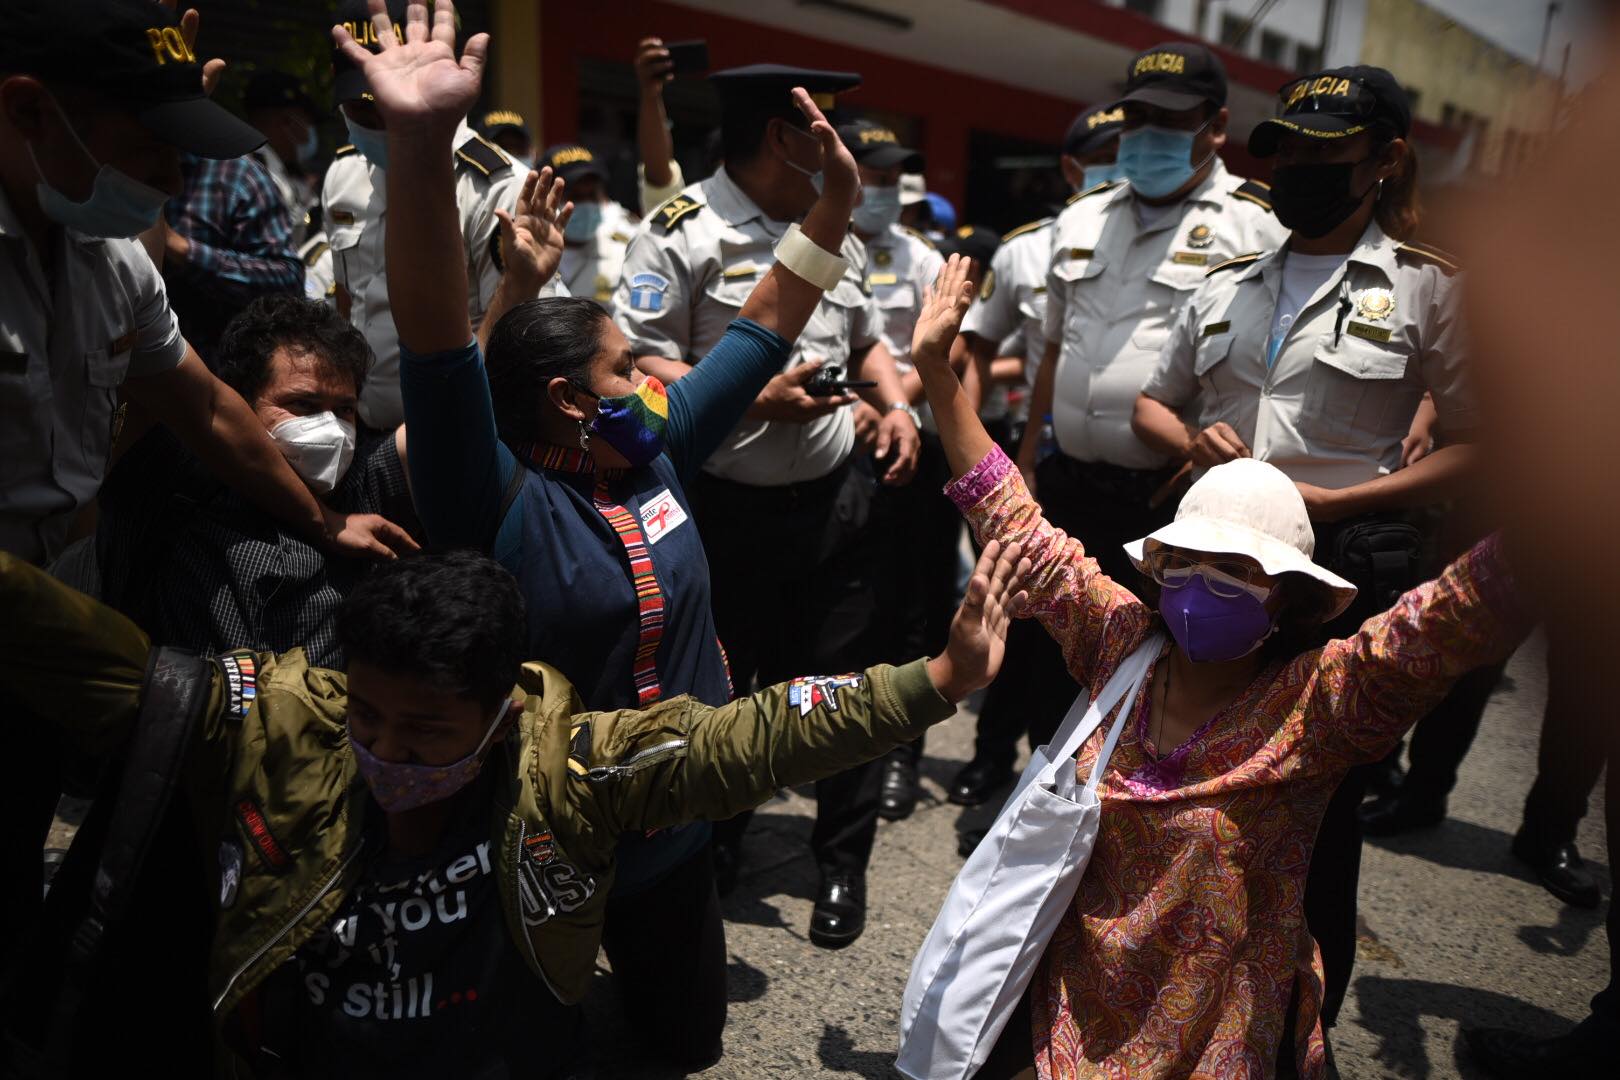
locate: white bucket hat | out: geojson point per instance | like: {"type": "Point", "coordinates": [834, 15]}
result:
{"type": "Point", "coordinates": [1248, 507]}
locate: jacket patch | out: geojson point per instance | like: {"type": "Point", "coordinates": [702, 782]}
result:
{"type": "Point", "coordinates": [808, 692]}
{"type": "Point", "coordinates": [647, 291]}
{"type": "Point", "coordinates": [257, 830]}
{"type": "Point", "coordinates": [541, 848]}
{"type": "Point", "coordinates": [551, 887]}
{"type": "Point", "coordinates": [241, 687]}
{"type": "Point", "coordinates": [579, 749]}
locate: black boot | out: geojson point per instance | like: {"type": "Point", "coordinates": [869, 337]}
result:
{"type": "Point", "coordinates": [977, 780]}
{"type": "Point", "coordinates": [1391, 815]}
{"type": "Point", "coordinates": [898, 797]}
{"type": "Point", "coordinates": [840, 912]}
{"type": "Point", "coordinates": [1560, 869]}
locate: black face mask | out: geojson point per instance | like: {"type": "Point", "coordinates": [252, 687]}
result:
{"type": "Point", "coordinates": [1313, 200]}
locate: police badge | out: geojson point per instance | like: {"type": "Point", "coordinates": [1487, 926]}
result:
{"type": "Point", "coordinates": [1200, 236]}
{"type": "Point", "coordinates": [1376, 304]}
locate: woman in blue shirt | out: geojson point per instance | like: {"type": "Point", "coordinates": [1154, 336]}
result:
{"type": "Point", "coordinates": [568, 465]}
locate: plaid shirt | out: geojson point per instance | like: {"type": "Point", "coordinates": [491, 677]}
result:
{"type": "Point", "coordinates": [239, 229]}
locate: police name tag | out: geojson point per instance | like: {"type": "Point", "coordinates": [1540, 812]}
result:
{"type": "Point", "coordinates": [661, 515]}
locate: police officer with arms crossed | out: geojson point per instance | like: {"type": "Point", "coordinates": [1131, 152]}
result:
{"type": "Point", "coordinates": [355, 206]}
{"type": "Point", "coordinates": [783, 507]}
{"type": "Point", "coordinates": [1314, 358]}
{"type": "Point", "coordinates": [1011, 308]}
{"type": "Point", "coordinates": [598, 233]}
{"type": "Point", "coordinates": [901, 264]}
{"type": "Point", "coordinates": [97, 100]}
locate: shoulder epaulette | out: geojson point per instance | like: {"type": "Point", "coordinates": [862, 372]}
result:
{"type": "Point", "coordinates": [1255, 191]}
{"type": "Point", "coordinates": [1236, 260]}
{"type": "Point", "coordinates": [1106, 185]}
{"type": "Point", "coordinates": [313, 253]}
{"type": "Point", "coordinates": [344, 151]}
{"type": "Point", "coordinates": [673, 213]}
{"type": "Point", "coordinates": [1446, 261]}
{"type": "Point", "coordinates": [1028, 228]}
{"type": "Point", "coordinates": [481, 154]}
{"type": "Point", "coordinates": [913, 232]}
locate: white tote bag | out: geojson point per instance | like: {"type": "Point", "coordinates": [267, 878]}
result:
{"type": "Point", "coordinates": [1006, 902]}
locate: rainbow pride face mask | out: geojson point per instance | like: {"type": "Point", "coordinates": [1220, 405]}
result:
{"type": "Point", "coordinates": [633, 424]}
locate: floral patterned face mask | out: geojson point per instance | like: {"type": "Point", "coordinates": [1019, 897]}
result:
{"type": "Point", "coordinates": [399, 786]}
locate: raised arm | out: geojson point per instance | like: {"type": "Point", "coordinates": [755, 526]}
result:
{"type": "Point", "coordinates": [1076, 602]}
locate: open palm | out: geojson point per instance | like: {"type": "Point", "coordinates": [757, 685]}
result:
{"type": "Point", "coordinates": [421, 78]}
{"type": "Point", "coordinates": [944, 305]}
{"type": "Point", "coordinates": [532, 236]}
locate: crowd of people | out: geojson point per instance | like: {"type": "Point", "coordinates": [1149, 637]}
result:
{"type": "Point", "coordinates": [468, 553]}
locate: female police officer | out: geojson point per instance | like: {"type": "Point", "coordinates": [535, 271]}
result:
{"type": "Point", "coordinates": [1314, 358]}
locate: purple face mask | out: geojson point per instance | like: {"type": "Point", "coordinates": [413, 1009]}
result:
{"type": "Point", "coordinates": [1212, 628]}
{"type": "Point", "coordinates": [401, 786]}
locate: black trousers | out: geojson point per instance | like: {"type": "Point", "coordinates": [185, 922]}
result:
{"type": "Point", "coordinates": [920, 532]}
{"type": "Point", "coordinates": [667, 944]}
{"type": "Point", "coordinates": [1104, 506]}
{"type": "Point", "coordinates": [794, 576]}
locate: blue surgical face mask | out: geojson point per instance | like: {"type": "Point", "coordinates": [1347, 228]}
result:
{"type": "Point", "coordinates": [879, 209]}
{"type": "Point", "coordinates": [372, 143]}
{"type": "Point", "coordinates": [1093, 175]}
{"type": "Point", "coordinates": [583, 225]}
{"type": "Point", "coordinates": [119, 205]}
{"type": "Point", "coordinates": [1158, 161]}
{"type": "Point", "coordinates": [310, 143]}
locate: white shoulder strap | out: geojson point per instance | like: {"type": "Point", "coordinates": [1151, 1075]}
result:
{"type": "Point", "coordinates": [1084, 718]}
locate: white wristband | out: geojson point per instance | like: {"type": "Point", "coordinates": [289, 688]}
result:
{"type": "Point", "coordinates": [810, 260]}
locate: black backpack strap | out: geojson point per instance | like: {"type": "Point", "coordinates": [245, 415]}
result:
{"type": "Point", "coordinates": [177, 689]}
{"type": "Point", "coordinates": [513, 486]}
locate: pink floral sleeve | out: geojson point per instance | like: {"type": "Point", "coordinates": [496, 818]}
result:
{"type": "Point", "coordinates": [1095, 620]}
{"type": "Point", "coordinates": [1368, 689]}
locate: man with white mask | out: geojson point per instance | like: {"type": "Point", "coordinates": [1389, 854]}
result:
{"type": "Point", "coordinates": [195, 564]}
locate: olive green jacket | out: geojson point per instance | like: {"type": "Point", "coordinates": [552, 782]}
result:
{"type": "Point", "coordinates": [272, 776]}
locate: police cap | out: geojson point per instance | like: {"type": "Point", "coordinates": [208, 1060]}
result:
{"type": "Point", "coordinates": [1091, 131]}
{"type": "Point", "coordinates": [497, 121]}
{"type": "Point", "coordinates": [766, 86]}
{"type": "Point", "coordinates": [278, 90]}
{"type": "Point", "coordinates": [876, 147]}
{"type": "Point", "coordinates": [1334, 103]}
{"type": "Point", "coordinates": [573, 163]}
{"type": "Point", "coordinates": [973, 242]}
{"type": "Point", "coordinates": [131, 51]}
{"type": "Point", "coordinates": [1177, 75]}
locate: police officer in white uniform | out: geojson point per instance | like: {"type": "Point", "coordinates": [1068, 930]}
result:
{"type": "Point", "coordinates": [354, 209]}
{"type": "Point", "coordinates": [278, 106]}
{"type": "Point", "coordinates": [1314, 357]}
{"type": "Point", "coordinates": [784, 506]}
{"type": "Point", "coordinates": [97, 101]}
{"type": "Point", "coordinates": [599, 232]}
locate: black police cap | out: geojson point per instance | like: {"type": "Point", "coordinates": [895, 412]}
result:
{"type": "Point", "coordinates": [277, 89]}
{"type": "Point", "coordinates": [1335, 103]}
{"type": "Point", "coordinates": [765, 87]}
{"type": "Point", "coordinates": [133, 52]}
{"type": "Point", "coordinates": [1177, 75]}
{"type": "Point", "coordinates": [1093, 130]}
{"type": "Point", "coordinates": [877, 147]}
{"type": "Point", "coordinates": [973, 242]}
{"type": "Point", "coordinates": [496, 121]}
{"type": "Point", "coordinates": [573, 163]}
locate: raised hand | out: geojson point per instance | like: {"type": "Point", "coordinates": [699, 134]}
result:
{"type": "Point", "coordinates": [841, 181]}
{"type": "Point", "coordinates": [189, 23]}
{"type": "Point", "coordinates": [944, 304]}
{"type": "Point", "coordinates": [419, 82]}
{"type": "Point", "coordinates": [532, 236]}
{"type": "Point", "coordinates": [978, 640]}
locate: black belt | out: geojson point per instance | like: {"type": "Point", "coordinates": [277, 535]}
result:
{"type": "Point", "coordinates": [1113, 481]}
{"type": "Point", "coordinates": [822, 489]}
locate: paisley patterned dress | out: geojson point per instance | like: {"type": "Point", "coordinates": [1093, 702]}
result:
{"type": "Point", "coordinates": [1186, 941]}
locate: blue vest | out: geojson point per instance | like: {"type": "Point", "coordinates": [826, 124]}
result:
{"type": "Point", "coordinates": [584, 616]}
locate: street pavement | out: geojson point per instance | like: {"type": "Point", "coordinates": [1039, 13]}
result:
{"type": "Point", "coordinates": [1454, 929]}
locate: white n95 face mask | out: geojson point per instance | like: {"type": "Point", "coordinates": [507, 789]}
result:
{"type": "Point", "coordinates": [319, 448]}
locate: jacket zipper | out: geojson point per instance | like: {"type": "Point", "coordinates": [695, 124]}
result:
{"type": "Point", "coordinates": [528, 938]}
{"type": "Point", "coordinates": [258, 953]}
{"type": "Point", "coordinates": [637, 760]}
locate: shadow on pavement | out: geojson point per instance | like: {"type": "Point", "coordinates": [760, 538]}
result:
{"type": "Point", "coordinates": [1392, 1009]}
{"type": "Point", "coordinates": [1568, 935]}
{"type": "Point", "coordinates": [837, 1053]}
{"type": "Point", "coordinates": [1464, 845]}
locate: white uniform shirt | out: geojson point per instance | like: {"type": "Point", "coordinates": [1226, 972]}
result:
{"type": "Point", "coordinates": [900, 266]}
{"type": "Point", "coordinates": [690, 267]}
{"type": "Point", "coordinates": [67, 341]}
{"type": "Point", "coordinates": [1011, 308]}
{"type": "Point", "coordinates": [1115, 287]}
{"type": "Point", "coordinates": [1334, 407]}
{"type": "Point", "coordinates": [592, 269]}
{"type": "Point", "coordinates": [355, 197]}
{"type": "Point", "coordinates": [294, 191]}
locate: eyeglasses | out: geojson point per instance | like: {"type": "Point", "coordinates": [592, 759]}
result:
{"type": "Point", "coordinates": [1225, 577]}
